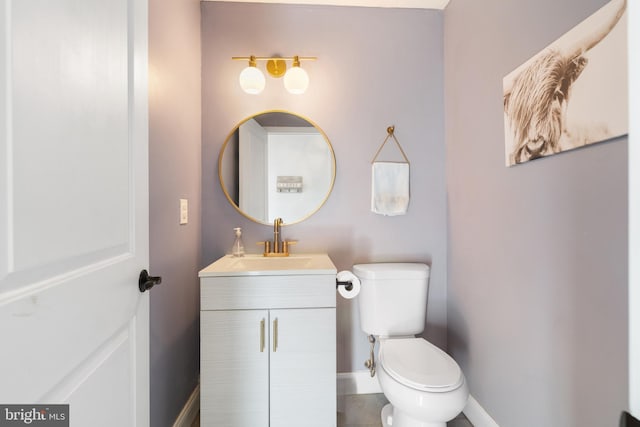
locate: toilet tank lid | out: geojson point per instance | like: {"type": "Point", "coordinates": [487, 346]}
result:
{"type": "Point", "coordinates": [391, 270]}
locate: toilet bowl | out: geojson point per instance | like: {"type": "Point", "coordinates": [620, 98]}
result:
{"type": "Point", "coordinates": [424, 385]}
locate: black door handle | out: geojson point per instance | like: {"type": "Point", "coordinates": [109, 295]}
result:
{"type": "Point", "coordinates": [146, 282]}
{"type": "Point", "coordinates": [627, 420]}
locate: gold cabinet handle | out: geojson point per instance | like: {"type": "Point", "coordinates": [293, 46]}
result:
{"type": "Point", "coordinates": [261, 335]}
{"type": "Point", "coordinates": [275, 334]}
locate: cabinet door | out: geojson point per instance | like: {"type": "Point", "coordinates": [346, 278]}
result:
{"type": "Point", "coordinates": [303, 367]}
{"type": "Point", "coordinates": [234, 368]}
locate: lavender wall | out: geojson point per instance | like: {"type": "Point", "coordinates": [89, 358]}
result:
{"type": "Point", "coordinates": [376, 67]}
{"type": "Point", "coordinates": [174, 168]}
{"type": "Point", "coordinates": [538, 252]}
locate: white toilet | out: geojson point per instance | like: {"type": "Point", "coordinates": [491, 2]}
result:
{"type": "Point", "coordinates": [424, 384]}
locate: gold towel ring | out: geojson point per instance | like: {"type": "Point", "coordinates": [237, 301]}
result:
{"type": "Point", "coordinates": [391, 134]}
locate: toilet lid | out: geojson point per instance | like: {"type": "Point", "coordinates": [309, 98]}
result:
{"type": "Point", "coordinates": [417, 363]}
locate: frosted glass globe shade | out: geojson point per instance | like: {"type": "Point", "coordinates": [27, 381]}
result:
{"type": "Point", "coordinates": [296, 80]}
{"type": "Point", "coordinates": [252, 80]}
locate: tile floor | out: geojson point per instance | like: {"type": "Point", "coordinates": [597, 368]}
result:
{"type": "Point", "coordinates": [363, 410]}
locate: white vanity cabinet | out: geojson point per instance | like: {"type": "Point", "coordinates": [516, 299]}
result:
{"type": "Point", "coordinates": [268, 347]}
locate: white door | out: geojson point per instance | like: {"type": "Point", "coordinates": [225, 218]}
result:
{"type": "Point", "coordinates": [74, 208]}
{"type": "Point", "coordinates": [634, 208]}
{"type": "Point", "coordinates": [253, 170]}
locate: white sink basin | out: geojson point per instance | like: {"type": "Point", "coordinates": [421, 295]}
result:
{"type": "Point", "coordinates": [253, 264]}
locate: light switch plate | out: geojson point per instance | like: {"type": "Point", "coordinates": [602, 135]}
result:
{"type": "Point", "coordinates": [184, 211]}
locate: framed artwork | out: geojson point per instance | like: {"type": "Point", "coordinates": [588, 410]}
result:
{"type": "Point", "coordinates": [571, 94]}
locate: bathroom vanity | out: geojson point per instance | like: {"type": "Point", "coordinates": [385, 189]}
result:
{"type": "Point", "coordinates": [268, 342]}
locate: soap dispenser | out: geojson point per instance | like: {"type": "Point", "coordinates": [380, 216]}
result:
{"type": "Point", "coordinates": [238, 247]}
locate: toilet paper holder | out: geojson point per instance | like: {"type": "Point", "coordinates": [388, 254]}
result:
{"type": "Point", "coordinates": [347, 284]}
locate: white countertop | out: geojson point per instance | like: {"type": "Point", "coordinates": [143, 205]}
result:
{"type": "Point", "coordinates": [259, 265]}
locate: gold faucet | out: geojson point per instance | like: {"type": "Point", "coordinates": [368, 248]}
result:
{"type": "Point", "coordinates": [280, 247]}
{"type": "Point", "coordinates": [277, 242]}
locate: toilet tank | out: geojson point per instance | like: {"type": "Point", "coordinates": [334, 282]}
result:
{"type": "Point", "coordinates": [393, 298]}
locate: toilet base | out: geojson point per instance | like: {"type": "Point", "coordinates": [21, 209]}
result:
{"type": "Point", "coordinates": [387, 415]}
{"type": "Point", "coordinates": [391, 418]}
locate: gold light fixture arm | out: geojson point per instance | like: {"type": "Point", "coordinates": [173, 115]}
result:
{"type": "Point", "coordinates": [276, 65]}
{"type": "Point", "coordinates": [268, 58]}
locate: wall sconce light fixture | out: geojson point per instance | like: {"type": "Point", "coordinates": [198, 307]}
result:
{"type": "Point", "coordinates": [296, 80]}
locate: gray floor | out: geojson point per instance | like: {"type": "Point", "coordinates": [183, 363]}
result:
{"type": "Point", "coordinates": [363, 410]}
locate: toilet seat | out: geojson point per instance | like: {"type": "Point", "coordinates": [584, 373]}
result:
{"type": "Point", "coordinates": [418, 364]}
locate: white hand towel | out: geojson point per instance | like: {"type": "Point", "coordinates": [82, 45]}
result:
{"type": "Point", "coordinates": [389, 188]}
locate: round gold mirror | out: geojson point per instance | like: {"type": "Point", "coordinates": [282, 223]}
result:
{"type": "Point", "coordinates": [277, 164]}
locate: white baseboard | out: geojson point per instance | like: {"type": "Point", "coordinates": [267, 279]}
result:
{"type": "Point", "coordinates": [358, 382]}
{"type": "Point", "coordinates": [190, 410]}
{"type": "Point", "coordinates": [477, 415]}
{"type": "Point", "coordinates": [361, 382]}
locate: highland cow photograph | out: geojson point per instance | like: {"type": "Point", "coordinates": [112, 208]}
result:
{"type": "Point", "coordinates": [571, 94]}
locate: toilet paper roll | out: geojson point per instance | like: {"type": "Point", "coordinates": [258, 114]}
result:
{"type": "Point", "coordinates": [347, 276]}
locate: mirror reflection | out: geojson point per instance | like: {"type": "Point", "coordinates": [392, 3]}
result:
{"type": "Point", "coordinates": [277, 164]}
